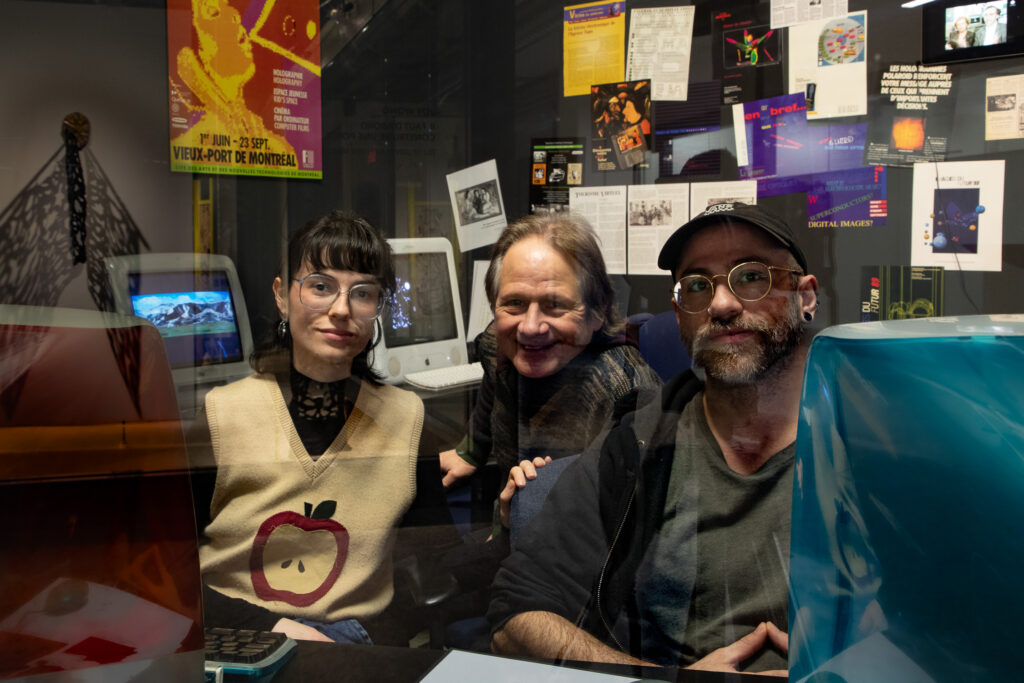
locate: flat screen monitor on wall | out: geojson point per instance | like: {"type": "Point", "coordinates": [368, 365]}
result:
{"type": "Point", "coordinates": [422, 323]}
{"type": "Point", "coordinates": [961, 30]}
{"type": "Point", "coordinates": [196, 302]}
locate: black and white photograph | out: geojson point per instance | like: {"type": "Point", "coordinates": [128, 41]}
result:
{"type": "Point", "coordinates": [650, 212]}
{"type": "Point", "coordinates": [478, 203]}
{"type": "Point", "coordinates": [1002, 102]}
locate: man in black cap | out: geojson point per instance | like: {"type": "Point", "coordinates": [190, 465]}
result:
{"type": "Point", "coordinates": [669, 544]}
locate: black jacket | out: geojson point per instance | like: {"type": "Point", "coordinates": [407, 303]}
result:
{"type": "Point", "coordinates": [580, 556]}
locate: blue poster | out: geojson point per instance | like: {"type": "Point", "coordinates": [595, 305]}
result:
{"type": "Point", "coordinates": [771, 136]}
{"type": "Point", "coordinates": [853, 198]}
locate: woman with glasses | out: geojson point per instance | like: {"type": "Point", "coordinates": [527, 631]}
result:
{"type": "Point", "coordinates": [316, 459]}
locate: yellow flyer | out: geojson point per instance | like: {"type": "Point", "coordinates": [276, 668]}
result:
{"type": "Point", "coordinates": [245, 87]}
{"type": "Point", "coordinates": [594, 38]}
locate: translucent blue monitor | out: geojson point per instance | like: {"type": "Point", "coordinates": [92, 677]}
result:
{"type": "Point", "coordinates": [906, 550]}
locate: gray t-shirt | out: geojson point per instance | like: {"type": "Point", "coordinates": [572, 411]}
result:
{"type": "Point", "coordinates": [719, 565]}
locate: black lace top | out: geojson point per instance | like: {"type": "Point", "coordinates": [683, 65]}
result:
{"type": "Point", "coordinates": [318, 409]}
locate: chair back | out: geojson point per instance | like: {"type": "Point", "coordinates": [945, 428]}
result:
{"type": "Point", "coordinates": [659, 344]}
{"type": "Point", "coordinates": [528, 500]}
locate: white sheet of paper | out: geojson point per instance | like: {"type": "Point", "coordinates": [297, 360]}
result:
{"type": "Point", "coordinates": [477, 205]}
{"type": "Point", "coordinates": [659, 49]}
{"type": "Point", "coordinates": [471, 667]}
{"type": "Point", "coordinates": [828, 63]}
{"type": "Point", "coordinates": [790, 12]}
{"type": "Point", "coordinates": [947, 227]}
{"type": "Point", "coordinates": [480, 314]}
{"type": "Point", "coordinates": [653, 214]}
{"type": "Point", "coordinates": [605, 209]}
{"type": "Point", "coordinates": [703, 195]}
{"type": "Point", "coordinates": [1004, 107]}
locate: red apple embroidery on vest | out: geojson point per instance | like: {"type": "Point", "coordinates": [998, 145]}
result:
{"type": "Point", "coordinates": [297, 558]}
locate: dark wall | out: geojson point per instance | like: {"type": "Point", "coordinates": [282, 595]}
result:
{"type": "Point", "coordinates": [487, 77]}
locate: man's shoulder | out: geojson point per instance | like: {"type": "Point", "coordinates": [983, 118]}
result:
{"type": "Point", "coordinates": [669, 398]}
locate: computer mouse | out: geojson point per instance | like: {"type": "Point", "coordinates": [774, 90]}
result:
{"type": "Point", "coordinates": [69, 595]}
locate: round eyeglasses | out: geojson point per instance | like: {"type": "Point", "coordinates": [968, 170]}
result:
{"type": "Point", "coordinates": [319, 292]}
{"type": "Point", "coordinates": [749, 281]}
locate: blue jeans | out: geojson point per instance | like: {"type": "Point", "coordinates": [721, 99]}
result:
{"type": "Point", "coordinates": [347, 631]}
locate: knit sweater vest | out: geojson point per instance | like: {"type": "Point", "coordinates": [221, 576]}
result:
{"type": "Point", "coordinates": [307, 538]}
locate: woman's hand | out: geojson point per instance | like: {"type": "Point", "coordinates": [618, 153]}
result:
{"type": "Point", "coordinates": [294, 629]}
{"type": "Point", "coordinates": [517, 478]}
{"type": "Point", "coordinates": [453, 468]}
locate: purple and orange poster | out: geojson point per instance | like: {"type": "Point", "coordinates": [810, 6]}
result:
{"type": "Point", "coordinates": [245, 87]}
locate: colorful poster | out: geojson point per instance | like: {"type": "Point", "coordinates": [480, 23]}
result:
{"type": "Point", "coordinates": [556, 166]}
{"type": "Point", "coordinates": [957, 215]}
{"type": "Point", "coordinates": [593, 45]}
{"type": "Point", "coordinates": [620, 124]}
{"type": "Point", "coordinates": [771, 136]}
{"type": "Point", "coordinates": [747, 53]}
{"type": "Point", "coordinates": [245, 87]}
{"type": "Point", "coordinates": [835, 147]}
{"type": "Point", "coordinates": [912, 117]}
{"type": "Point", "coordinates": [901, 292]}
{"type": "Point", "coordinates": [854, 198]}
{"type": "Point", "coordinates": [827, 63]}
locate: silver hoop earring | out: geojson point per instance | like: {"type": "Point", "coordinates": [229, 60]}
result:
{"type": "Point", "coordinates": [282, 329]}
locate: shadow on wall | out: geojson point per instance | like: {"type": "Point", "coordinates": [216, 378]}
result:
{"type": "Point", "coordinates": [58, 221]}
{"type": "Point", "coordinates": [69, 213]}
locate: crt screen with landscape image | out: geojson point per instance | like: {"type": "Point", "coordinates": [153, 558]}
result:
{"type": "Point", "coordinates": [194, 313]}
{"type": "Point", "coordinates": [422, 309]}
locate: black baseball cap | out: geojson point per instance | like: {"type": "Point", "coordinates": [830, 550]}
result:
{"type": "Point", "coordinates": [668, 259]}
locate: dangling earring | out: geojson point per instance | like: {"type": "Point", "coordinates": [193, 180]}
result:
{"type": "Point", "coordinates": [282, 329]}
{"type": "Point", "coordinates": [808, 317]}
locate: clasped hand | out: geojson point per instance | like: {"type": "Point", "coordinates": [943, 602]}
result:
{"type": "Point", "coordinates": [517, 478]}
{"type": "Point", "coordinates": [730, 657]}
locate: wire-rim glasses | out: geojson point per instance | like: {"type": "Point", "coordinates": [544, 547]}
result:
{"type": "Point", "coordinates": [319, 292]}
{"type": "Point", "coordinates": [749, 281]}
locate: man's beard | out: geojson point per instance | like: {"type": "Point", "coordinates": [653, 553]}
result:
{"type": "Point", "coordinates": [775, 342]}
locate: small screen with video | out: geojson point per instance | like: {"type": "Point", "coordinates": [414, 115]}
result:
{"type": "Point", "coordinates": [421, 310]}
{"type": "Point", "coordinates": [957, 30]}
{"type": "Point", "coordinates": [194, 313]}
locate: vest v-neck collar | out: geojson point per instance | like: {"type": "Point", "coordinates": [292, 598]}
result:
{"type": "Point", "coordinates": [313, 467]}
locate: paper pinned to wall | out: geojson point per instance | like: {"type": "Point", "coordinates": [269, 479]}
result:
{"type": "Point", "coordinates": [593, 45]}
{"type": "Point", "coordinates": [480, 314]}
{"type": "Point", "coordinates": [476, 202]}
{"type": "Point", "coordinates": [957, 215]}
{"type": "Point", "coordinates": [790, 12]}
{"type": "Point", "coordinates": [653, 214]}
{"type": "Point", "coordinates": [703, 195]}
{"type": "Point", "coordinates": [827, 62]}
{"type": "Point", "coordinates": [659, 49]}
{"type": "Point", "coordinates": [605, 210]}
{"type": "Point", "coordinates": [1004, 107]}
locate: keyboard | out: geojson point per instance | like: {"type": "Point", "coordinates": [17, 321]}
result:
{"type": "Point", "coordinates": [446, 378]}
{"type": "Point", "coordinates": [234, 654]}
